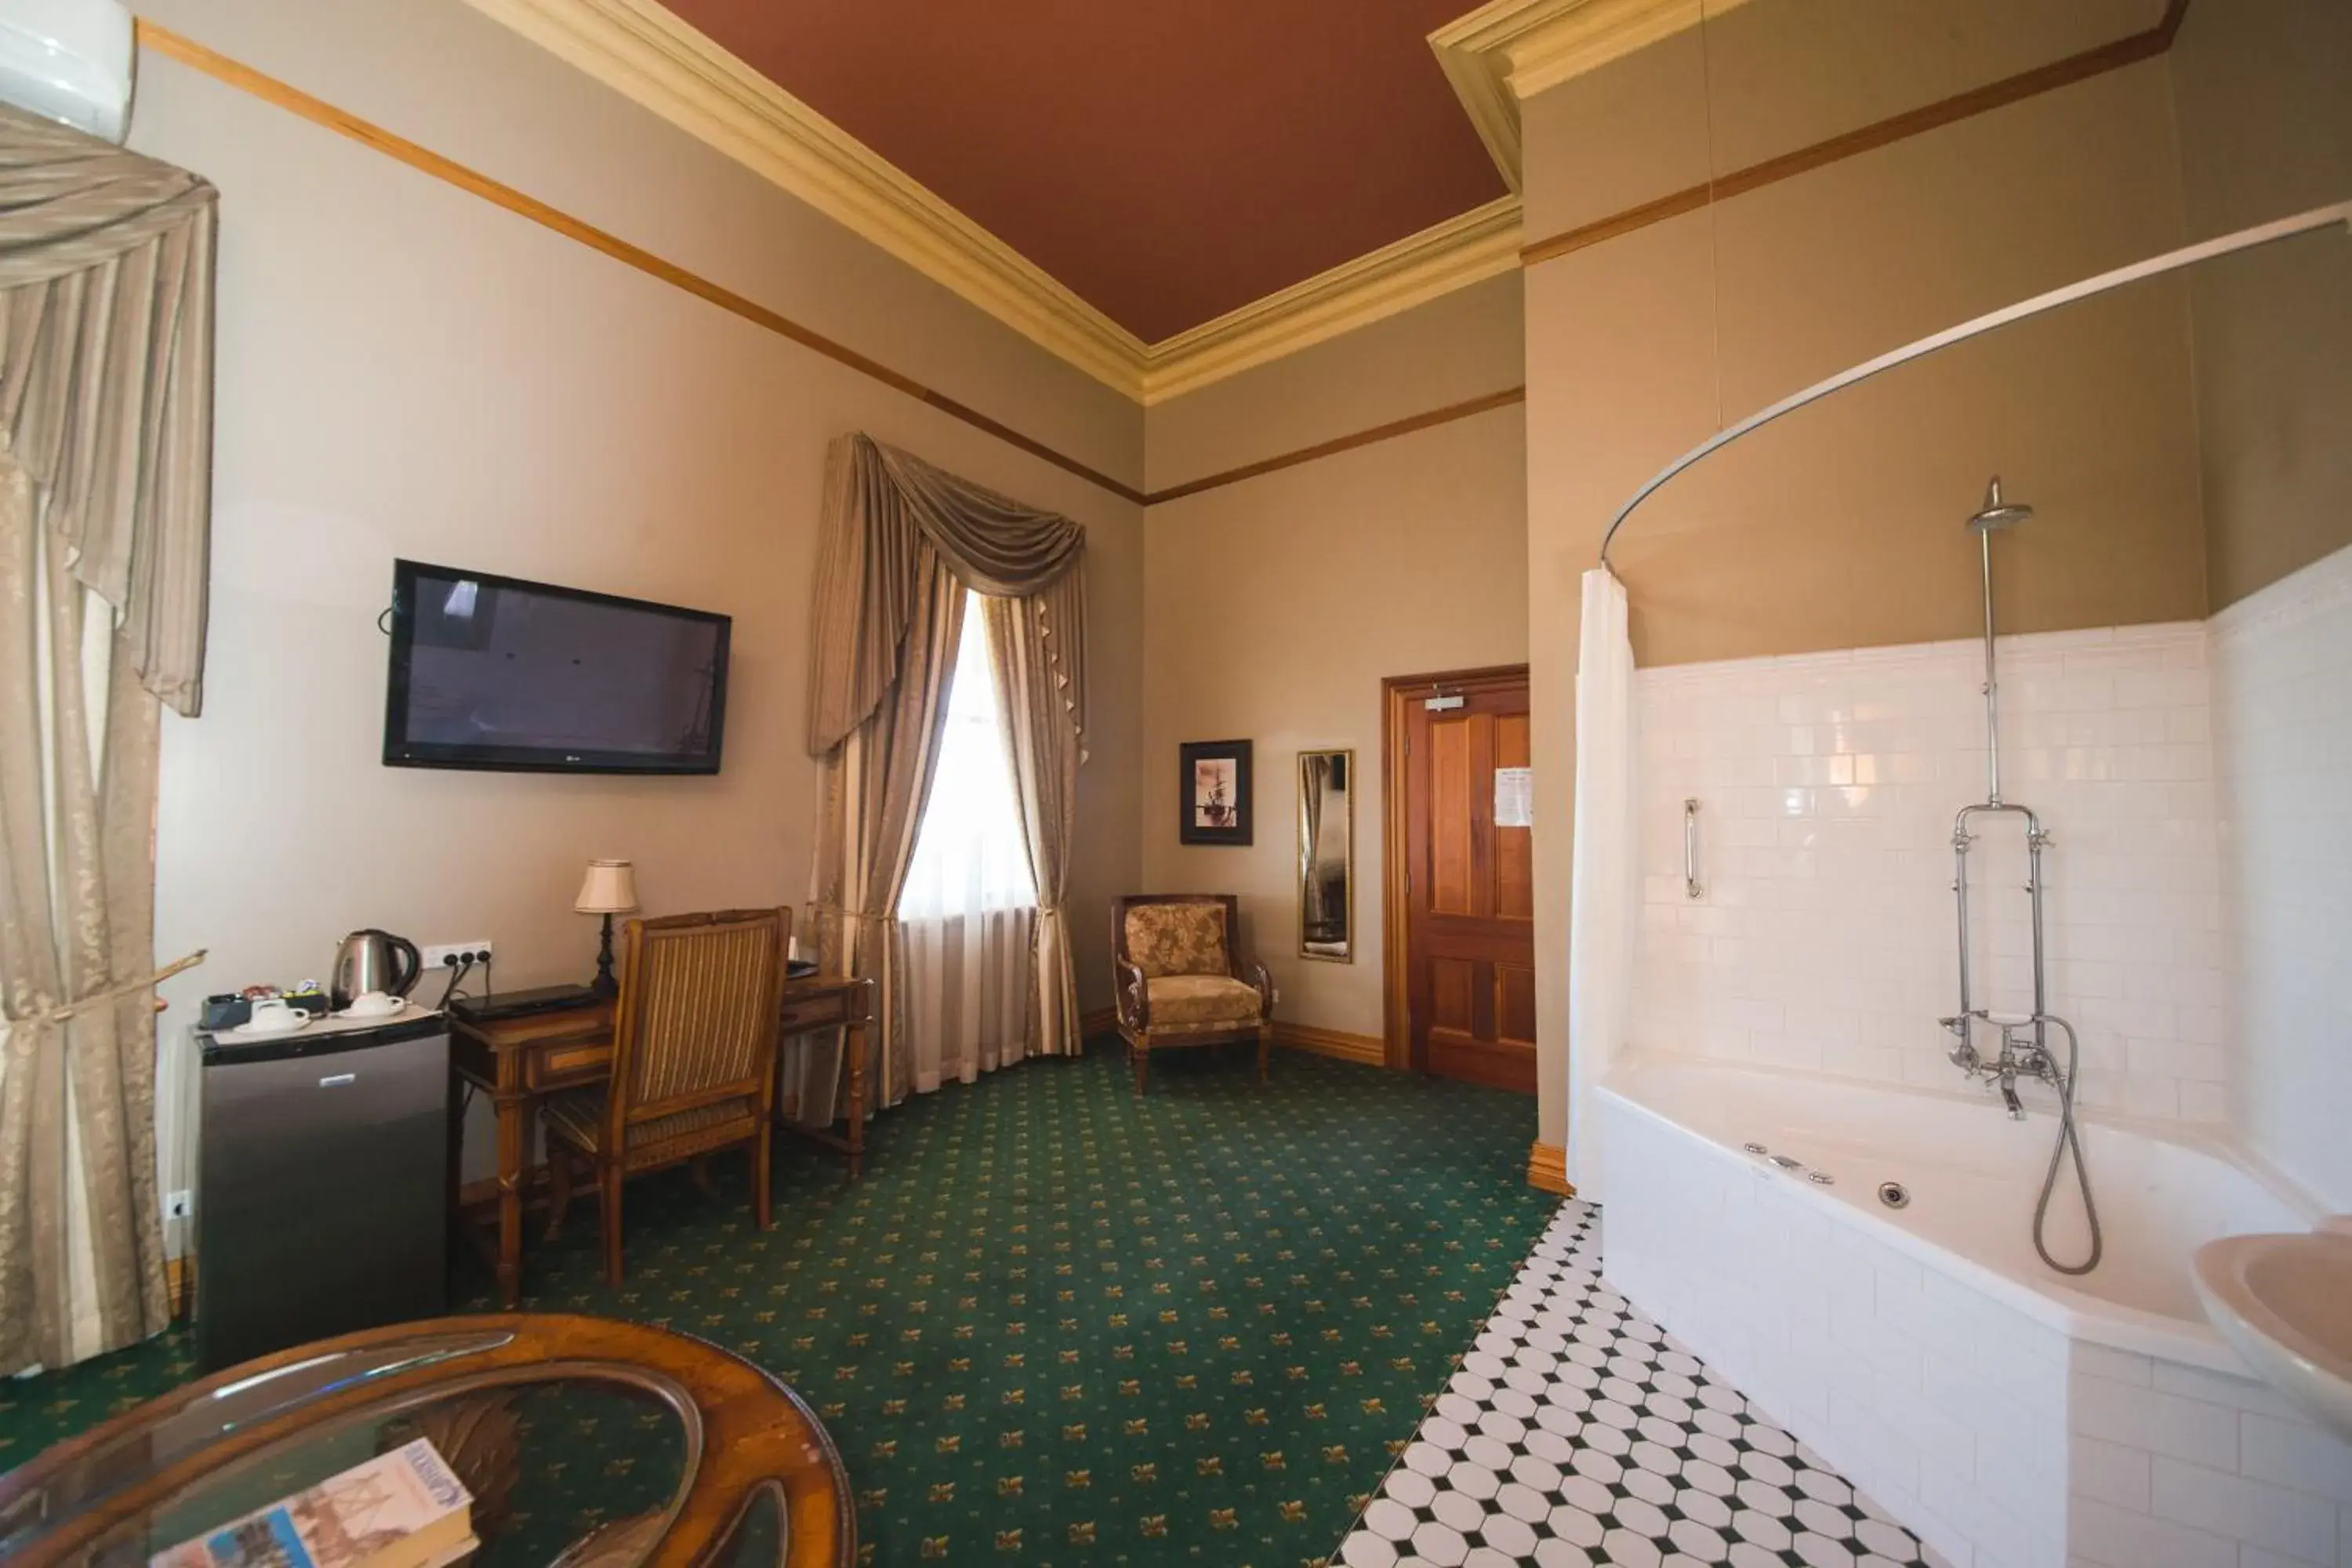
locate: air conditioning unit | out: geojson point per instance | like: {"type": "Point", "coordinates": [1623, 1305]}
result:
{"type": "Point", "coordinates": [69, 60]}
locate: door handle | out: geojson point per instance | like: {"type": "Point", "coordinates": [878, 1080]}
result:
{"type": "Point", "coordinates": [337, 1079]}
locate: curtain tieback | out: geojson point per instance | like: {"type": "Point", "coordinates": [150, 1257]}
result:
{"type": "Point", "coordinates": [43, 1013]}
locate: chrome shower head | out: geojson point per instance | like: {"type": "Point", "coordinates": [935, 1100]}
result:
{"type": "Point", "coordinates": [1997, 513]}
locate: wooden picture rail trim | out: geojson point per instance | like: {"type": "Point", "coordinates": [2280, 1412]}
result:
{"type": "Point", "coordinates": [2073, 68]}
{"type": "Point", "coordinates": [2077, 67]}
{"type": "Point", "coordinates": [294, 100]}
{"type": "Point", "coordinates": [1395, 428]}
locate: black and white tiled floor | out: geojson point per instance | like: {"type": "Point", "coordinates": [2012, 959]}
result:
{"type": "Point", "coordinates": [1578, 1432]}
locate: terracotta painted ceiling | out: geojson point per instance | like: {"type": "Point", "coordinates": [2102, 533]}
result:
{"type": "Point", "coordinates": [1165, 159]}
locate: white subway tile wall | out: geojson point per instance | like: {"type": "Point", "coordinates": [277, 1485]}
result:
{"type": "Point", "coordinates": [2282, 666]}
{"type": "Point", "coordinates": [1823, 937]}
{"type": "Point", "coordinates": [2173, 1466]}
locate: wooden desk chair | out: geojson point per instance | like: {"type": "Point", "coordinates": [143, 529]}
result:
{"type": "Point", "coordinates": [694, 1050]}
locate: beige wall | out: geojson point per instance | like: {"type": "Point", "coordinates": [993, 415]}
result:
{"type": "Point", "coordinates": [1455, 348]}
{"type": "Point", "coordinates": [1275, 606]}
{"type": "Point", "coordinates": [2265, 131]}
{"type": "Point", "coordinates": [406, 370]}
{"type": "Point", "coordinates": [1841, 526]}
{"type": "Point", "coordinates": [1768, 77]}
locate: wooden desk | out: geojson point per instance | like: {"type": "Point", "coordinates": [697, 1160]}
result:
{"type": "Point", "coordinates": [518, 1062]}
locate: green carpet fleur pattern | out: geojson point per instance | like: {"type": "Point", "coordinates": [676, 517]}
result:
{"type": "Point", "coordinates": [1057, 1324]}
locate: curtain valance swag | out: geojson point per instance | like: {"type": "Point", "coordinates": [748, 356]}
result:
{"type": "Point", "coordinates": [885, 509]}
{"type": "Point", "coordinates": [902, 543]}
{"type": "Point", "coordinates": [106, 379]}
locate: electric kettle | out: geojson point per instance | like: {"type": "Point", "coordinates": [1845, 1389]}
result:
{"type": "Point", "coordinates": [374, 960]}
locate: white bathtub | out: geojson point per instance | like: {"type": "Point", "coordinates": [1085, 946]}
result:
{"type": "Point", "coordinates": [2008, 1413]}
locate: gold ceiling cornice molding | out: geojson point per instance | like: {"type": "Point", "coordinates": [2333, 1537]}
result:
{"type": "Point", "coordinates": [1482, 243]}
{"type": "Point", "coordinates": [641, 50]}
{"type": "Point", "coordinates": [650, 56]}
{"type": "Point", "coordinates": [1508, 50]}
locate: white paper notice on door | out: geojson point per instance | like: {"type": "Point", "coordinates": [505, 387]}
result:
{"type": "Point", "coordinates": [1515, 797]}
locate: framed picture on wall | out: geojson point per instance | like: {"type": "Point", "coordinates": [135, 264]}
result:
{"type": "Point", "coordinates": [1212, 792]}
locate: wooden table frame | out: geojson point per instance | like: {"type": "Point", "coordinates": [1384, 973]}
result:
{"type": "Point", "coordinates": [519, 1062]}
{"type": "Point", "coordinates": [754, 1433]}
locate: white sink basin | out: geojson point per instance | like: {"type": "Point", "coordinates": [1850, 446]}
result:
{"type": "Point", "coordinates": [2284, 1303]}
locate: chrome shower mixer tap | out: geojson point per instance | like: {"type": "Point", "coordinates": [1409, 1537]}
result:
{"type": "Point", "coordinates": [2024, 1053]}
{"type": "Point", "coordinates": [2024, 1041]}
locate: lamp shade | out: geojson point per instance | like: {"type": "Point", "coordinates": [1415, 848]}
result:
{"type": "Point", "coordinates": [609, 888]}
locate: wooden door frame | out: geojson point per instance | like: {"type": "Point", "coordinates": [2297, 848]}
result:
{"type": "Point", "coordinates": [1396, 691]}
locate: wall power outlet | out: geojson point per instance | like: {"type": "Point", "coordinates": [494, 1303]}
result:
{"type": "Point", "coordinates": [442, 956]}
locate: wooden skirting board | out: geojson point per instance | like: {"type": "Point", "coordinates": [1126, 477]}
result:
{"type": "Point", "coordinates": [1547, 1169]}
{"type": "Point", "coordinates": [1369, 1051]}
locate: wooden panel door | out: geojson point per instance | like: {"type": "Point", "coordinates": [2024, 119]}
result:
{"type": "Point", "coordinates": [1468, 884]}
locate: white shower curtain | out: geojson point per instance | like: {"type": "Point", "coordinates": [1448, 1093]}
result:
{"type": "Point", "coordinates": [1603, 894]}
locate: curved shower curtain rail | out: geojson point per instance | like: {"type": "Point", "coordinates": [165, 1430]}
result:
{"type": "Point", "coordinates": [2339, 213]}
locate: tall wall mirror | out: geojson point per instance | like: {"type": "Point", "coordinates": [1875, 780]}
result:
{"type": "Point", "coordinates": [1326, 856]}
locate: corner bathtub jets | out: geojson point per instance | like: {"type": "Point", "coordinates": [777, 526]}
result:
{"type": "Point", "coordinates": [1917, 1342]}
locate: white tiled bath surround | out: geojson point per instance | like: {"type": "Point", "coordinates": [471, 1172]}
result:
{"type": "Point", "coordinates": [2197, 780]}
{"type": "Point", "coordinates": [1913, 1382]}
{"type": "Point", "coordinates": [1823, 938]}
{"type": "Point", "coordinates": [1997, 1436]}
{"type": "Point", "coordinates": [2282, 672]}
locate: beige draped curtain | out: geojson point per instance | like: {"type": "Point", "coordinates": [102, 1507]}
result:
{"type": "Point", "coordinates": [105, 490]}
{"type": "Point", "coordinates": [901, 541]}
{"type": "Point", "coordinates": [1042, 744]}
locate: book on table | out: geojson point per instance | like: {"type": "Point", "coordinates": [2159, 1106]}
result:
{"type": "Point", "coordinates": [403, 1509]}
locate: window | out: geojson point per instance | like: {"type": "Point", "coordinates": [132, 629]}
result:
{"type": "Point", "coordinates": [969, 856]}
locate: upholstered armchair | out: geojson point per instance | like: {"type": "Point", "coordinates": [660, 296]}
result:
{"type": "Point", "coordinates": [1182, 980]}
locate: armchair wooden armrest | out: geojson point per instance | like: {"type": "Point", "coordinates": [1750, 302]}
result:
{"type": "Point", "coordinates": [1258, 977]}
{"type": "Point", "coordinates": [1134, 997]}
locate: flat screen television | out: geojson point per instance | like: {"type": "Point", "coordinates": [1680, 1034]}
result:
{"type": "Point", "coordinates": [494, 672]}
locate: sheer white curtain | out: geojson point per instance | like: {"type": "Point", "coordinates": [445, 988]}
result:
{"type": "Point", "coordinates": [966, 912]}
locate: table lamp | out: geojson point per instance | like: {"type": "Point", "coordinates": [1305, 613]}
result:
{"type": "Point", "coordinates": [610, 889]}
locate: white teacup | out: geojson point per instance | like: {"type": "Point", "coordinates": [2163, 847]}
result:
{"type": "Point", "coordinates": [374, 1005]}
{"type": "Point", "coordinates": [276, 1015]}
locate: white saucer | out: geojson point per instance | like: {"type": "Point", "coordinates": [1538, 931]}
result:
{"type": "Point", "coordinates": [248, 1032]}
{"type": "Point", "coordinates": [353, 1014]}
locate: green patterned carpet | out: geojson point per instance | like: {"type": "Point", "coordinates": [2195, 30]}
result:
{"type": "Point", "coordinates": [1056, 1324]}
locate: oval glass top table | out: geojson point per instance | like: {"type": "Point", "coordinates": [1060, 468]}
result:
{"type": "Point", "coordinates": [585, 1442]}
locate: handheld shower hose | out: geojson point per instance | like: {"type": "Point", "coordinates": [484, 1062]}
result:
{"type": "Point", "coordinates": [2069, 1142]}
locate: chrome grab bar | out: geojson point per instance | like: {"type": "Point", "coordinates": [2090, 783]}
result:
{"type": "Point", "coordinates": [1690, 847]}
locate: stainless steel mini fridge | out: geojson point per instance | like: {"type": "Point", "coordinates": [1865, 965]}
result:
{"type": "Point", "coordinates": [322, 1195]}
